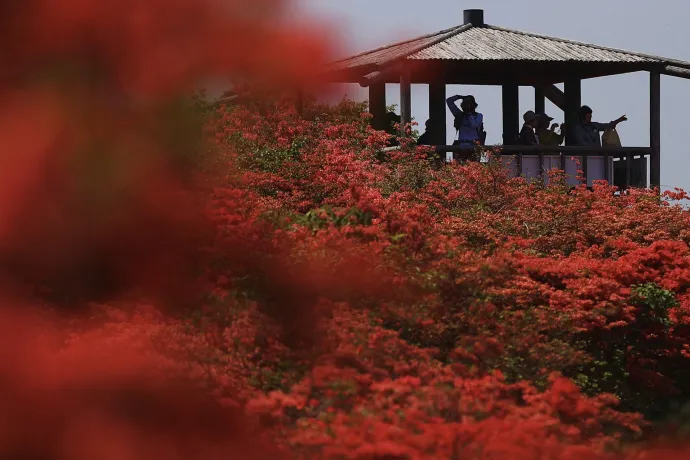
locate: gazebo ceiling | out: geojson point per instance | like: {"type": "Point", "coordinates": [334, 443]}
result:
{"type": "Point", "coordinates": [476, 53]}
{"type": "Point", "coordinates": [493, 73]}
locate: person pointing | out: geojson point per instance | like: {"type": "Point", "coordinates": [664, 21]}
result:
{"type": "Point", "coordinates": [588, 132]}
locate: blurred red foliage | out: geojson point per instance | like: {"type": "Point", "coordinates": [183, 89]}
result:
{"type": "Point", "coordinates": [96, 204]}
{"type": "Point", "coordinates": [92, 396]}
{"type": "Point", "coordinates": [340, 302]}
{"type": "Point", "coordinates": [93, 133]}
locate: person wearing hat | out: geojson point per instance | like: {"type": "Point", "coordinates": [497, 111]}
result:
{"type": "Point", "coordinates": [392, 119]}
{"type": "Point", "coordinates": [588, 132]}
{"type": "Point", "coordinates": [469, 124]}
{"type": "Point", "coordinates": [546, 135]}
{"type": "Point", "coordinates": [527, 134]}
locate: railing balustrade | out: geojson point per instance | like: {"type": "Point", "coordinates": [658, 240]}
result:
{"type": "Point", "coordinates": [610, 155]}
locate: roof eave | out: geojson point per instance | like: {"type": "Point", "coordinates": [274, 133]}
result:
{"type": "Point", "coordinates": [674, 71]}
{"type": "Point", "coordinates": [367, 71]}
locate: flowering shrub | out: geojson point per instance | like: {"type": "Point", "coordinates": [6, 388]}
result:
{"type": "Point", "coordinates": [284, 281]}
{"type": "Point", "coordinates": [425, 308]}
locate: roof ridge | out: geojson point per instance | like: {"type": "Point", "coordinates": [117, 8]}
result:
{"type": "Point", "coordinates": [682, 64]}
{"type": "Point", "coordinates": [443, 33]}
{"type": "Point", "coordinates": [439, 39]}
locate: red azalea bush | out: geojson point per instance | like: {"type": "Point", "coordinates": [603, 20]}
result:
{"type": "Point", "coordinates": [315, 294]}
{"type": "Point", "coordinates": [423, 308]}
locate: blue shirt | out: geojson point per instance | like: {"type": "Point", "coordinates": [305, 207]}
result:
{"type": "Point", "coordinates": [471, 124]}
{"type": "Point", "coordinates": [589, 133]}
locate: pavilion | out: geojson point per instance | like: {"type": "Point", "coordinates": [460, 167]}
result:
{"type": "Point", "coordinates": [476, 53]}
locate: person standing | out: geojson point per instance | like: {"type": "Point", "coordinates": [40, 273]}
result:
{"type": "Point", "coordinates": [392, 119]}
{"type": "Point", "coordinates": [469, 124]}
{"type": "Point", "coordinates": [432, 129]}
{"type": "Point", "coordinates": [431, 136]}
{"type": "Point", "coordinates": [588, 132]}
{"type": "Point", "coordinates": [548, 135]}
{"type": "Point", "coordinates": [527, 133]}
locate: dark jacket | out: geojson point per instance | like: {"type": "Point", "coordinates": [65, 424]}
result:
{"type": "Point", "coordinates": [527, 136]}
{"type": "Point", "coordinates": [424, 139]}
{"type": "Point", "coordinates": [590, 133]}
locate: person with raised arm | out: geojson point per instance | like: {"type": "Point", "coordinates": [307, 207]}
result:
{"type": "Point", "coordinates": [546, 132]}
{"type": "Point", "coordinates": [468, 124]}
{"type": "Point", "coordinates": [588, 132]}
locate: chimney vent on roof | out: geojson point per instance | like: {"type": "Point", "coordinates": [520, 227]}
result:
{"type": "Point", "coordinates": [474, 17]}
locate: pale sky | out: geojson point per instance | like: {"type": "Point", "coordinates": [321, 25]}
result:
{"type": "Point", "coordinates": [654, 27]}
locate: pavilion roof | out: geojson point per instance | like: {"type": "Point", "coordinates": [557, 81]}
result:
{"type": "Point", "coordinates": [476, 45]}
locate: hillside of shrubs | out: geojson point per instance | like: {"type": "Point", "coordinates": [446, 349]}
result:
{"type": "Point", "coordinates": [376, 305]}
{"type": "Point", "coordinates": [339, 300]}
{"type": "Point", "coordinates": [190, 281]}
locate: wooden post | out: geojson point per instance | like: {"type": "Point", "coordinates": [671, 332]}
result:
{"type": "Point", "coordinates": [655, 129]}
{"type": "Point", "coordinates": [377, 105]}
{"type": "Point", "coordinates": [405, 99]}
{"type": "Point", "coordinates": [607, 168]}
{"type": "Point", "coordinates": [573, 102]}
{"type": "Point", "coordinates": [540, 108]}
{"type": "Point", "coordinates": [511, 113]}
{"type": "Point", "coordinates": [539, 100]}
{"type": "Point", "coordinates": [437, 112]}
{"type": "Point", "coordinates": [542, 169]}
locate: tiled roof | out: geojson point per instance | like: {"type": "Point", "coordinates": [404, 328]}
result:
{"type": "Point", "coordinates": [397, 50]}
{"type": "Point", "coordinates": [490, 43]}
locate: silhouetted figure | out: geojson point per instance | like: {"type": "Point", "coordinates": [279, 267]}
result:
{"type": "Point", "coordinates": [468, 124]}
{"type": "Point", "coordinates": [431, 136]}
{"type": "Point", "coordinates": [588, 132]}
{"type": "Point", "coordinates": [548, 135]}
{"type": "Point", "coordinates": [431, 133]}
{"type": "Point", "coordinates": [527, 134]}
{"type": "Point", "coordinates": [391, 119]}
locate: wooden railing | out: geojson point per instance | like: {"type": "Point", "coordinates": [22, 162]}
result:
{"type": "Point", "coordinates": [625, 154]}
{"type": "Point", "coordinates": [619, 154]}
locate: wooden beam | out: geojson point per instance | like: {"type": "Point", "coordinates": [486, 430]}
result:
{"type": "Point", "coordinates": [511, 113]}
{"type": "Point", "coordinates": [618, 153]}
{"type": "Point", "coordinates": [437, 112]}
{"type": "Point", "coordinates": [555, 95]}
{"type": "Point", "coordinates": [539, 100]}
{"type": "Point", "coordinates": [388, 74]}
{"type": "Point", "coordinates": [655, 128]}
{"type": "Point", "coordinates": [674, 71]}
{"type": "Point", "coordinates": [454, 72]}
{"type": "Point", "coordinates": [577, 150]}
{"type": "Point", "coordinates": [573, 102]}
{"type": "Point", "coordinates": [405, 99]}
{"type": "Point", "coordinates": [377, 105]}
